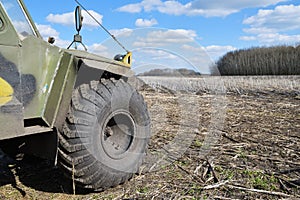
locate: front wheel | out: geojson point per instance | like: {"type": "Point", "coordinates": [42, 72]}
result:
{"type": "Point", "coordinates": [105, 135]}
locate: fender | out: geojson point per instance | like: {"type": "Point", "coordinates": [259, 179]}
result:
{"type": "Point", "coordinates": [78, 67]}
{"type": "Point", "coordinates": [102, 63]}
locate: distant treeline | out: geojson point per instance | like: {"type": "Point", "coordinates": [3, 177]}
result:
{"type": "Point", "coordinates": [170, 72]}
{"type": "Point", "coordinates": [277, 60]}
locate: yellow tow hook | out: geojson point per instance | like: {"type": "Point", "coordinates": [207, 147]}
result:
{"type": "Point", "coordinates": [124, 59]}
{"type": "Point", "coordinates": [127, 59]}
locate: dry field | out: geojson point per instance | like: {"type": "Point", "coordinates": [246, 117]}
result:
{"type": "Point", "coordinates": [212, 138]}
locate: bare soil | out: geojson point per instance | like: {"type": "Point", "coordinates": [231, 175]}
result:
{"type": "Point", "coordinates": [250, 152]}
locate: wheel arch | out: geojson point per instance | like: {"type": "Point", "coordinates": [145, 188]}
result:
{"type": "Point", "coordinates": [88, 70]}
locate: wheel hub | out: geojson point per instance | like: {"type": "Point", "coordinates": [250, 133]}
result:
{"type": "Point", "coordinates": [118, 135]}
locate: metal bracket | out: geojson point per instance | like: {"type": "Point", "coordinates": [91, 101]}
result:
{"type": "Point", "coordinates": [77, 39]}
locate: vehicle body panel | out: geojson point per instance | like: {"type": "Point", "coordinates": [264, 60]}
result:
{"type": "Point", "coordinates": [11, 113]}
{"type": "Point", "coordinates": [42, 76]}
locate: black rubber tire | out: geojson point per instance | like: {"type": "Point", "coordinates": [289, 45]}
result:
{"type": "Point", "coordinates": [105, 135]}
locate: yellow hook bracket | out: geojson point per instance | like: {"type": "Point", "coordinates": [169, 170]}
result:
{"type": "Point", "coordinates": [127, 59]}
{"type": "Point", "coordinates": [124, 59]}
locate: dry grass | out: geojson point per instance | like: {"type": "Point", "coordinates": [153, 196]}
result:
{"type": "Point", "coordinates": [253, 155]}
{"type": "Point", "coordinates": [231, 84]}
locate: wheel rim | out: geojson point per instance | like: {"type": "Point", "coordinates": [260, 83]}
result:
{"type": "Point", "coordinates": [118, 135]}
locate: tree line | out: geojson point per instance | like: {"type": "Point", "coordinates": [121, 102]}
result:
{"type": "Point", "coordinates": [170, 72]}
{"type": "Point", "coordinates": [277, 60]}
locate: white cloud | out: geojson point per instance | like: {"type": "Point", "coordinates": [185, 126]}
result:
{"type": "Point", "coordinates": [248, 38]}
{"type": "Point", "coordinates": [64, 19]}
{"type": "Point", "coordinates": [131, 8]}
{"type": "Point", "coordinates": [146, 5]}
{"type": "Point", "coordinates": [232, 4]}
{"type": "Point", "coordinates": [258, 30]}
{"type": "Point", "coordinates": [174, 8]}
{"type": "Point", "coordinates": [125, 32]}
{"type": "Point", "coordinates": [212, 8]}
{"type": "Point", "coordinates": [277, 38]}
{"type": "Point", "coordinates": [69, 18]}
{"type": "Point", "coordinates": [151, 58]}
{"type": "Point", "coordinates": [47, 31]}
{"type": "Point", "coordinates": [163, 47]}
{"type": "Point", "coordinates": [213, 51]}
{"type": "Point", "coordinates": [160, 38]}
{"type": "Point", "coordinates": [99, 49]}
{"type": "Point", "coordinates": [282, 18]}
{"type": "Point", "coordinates": [62, 43]}
{"type": "Point", "coordinates": [157, 54]}
{"type": "Point", "coordinates": [273, 26]}
{"type": "Point", "coordinates": [145, 22]}
{"type": "Point", "coordinates": [195, 54]}
{"type": "Point", "coordinates": [217, 48]}
{"type": "Point", "coordinates": [216, 51]}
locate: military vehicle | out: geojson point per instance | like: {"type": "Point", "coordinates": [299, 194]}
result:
{"type": "Point", "coordinates": [70, 106]}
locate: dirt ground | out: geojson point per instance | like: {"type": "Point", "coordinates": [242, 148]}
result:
{"type": "Point", "coordinates": [204, 146]}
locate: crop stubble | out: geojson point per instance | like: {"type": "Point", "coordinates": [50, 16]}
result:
{"type": "Point", "coordinates": [255, 153]}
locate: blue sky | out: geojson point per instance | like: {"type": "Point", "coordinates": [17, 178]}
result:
{"type": "Point", "coordinates": [173, 33]}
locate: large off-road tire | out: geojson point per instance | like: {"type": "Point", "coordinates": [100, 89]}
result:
{"type": "Point", "coordinates": [104, 138]}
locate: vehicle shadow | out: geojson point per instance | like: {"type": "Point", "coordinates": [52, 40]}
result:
{"type": "Point", "coordinates": [7, 175]}
{"type": "Point", "coordinates": [35, 173]}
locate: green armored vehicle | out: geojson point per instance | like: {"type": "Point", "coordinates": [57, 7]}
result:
{"type": "Point", "coordinates": [70, 106]}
